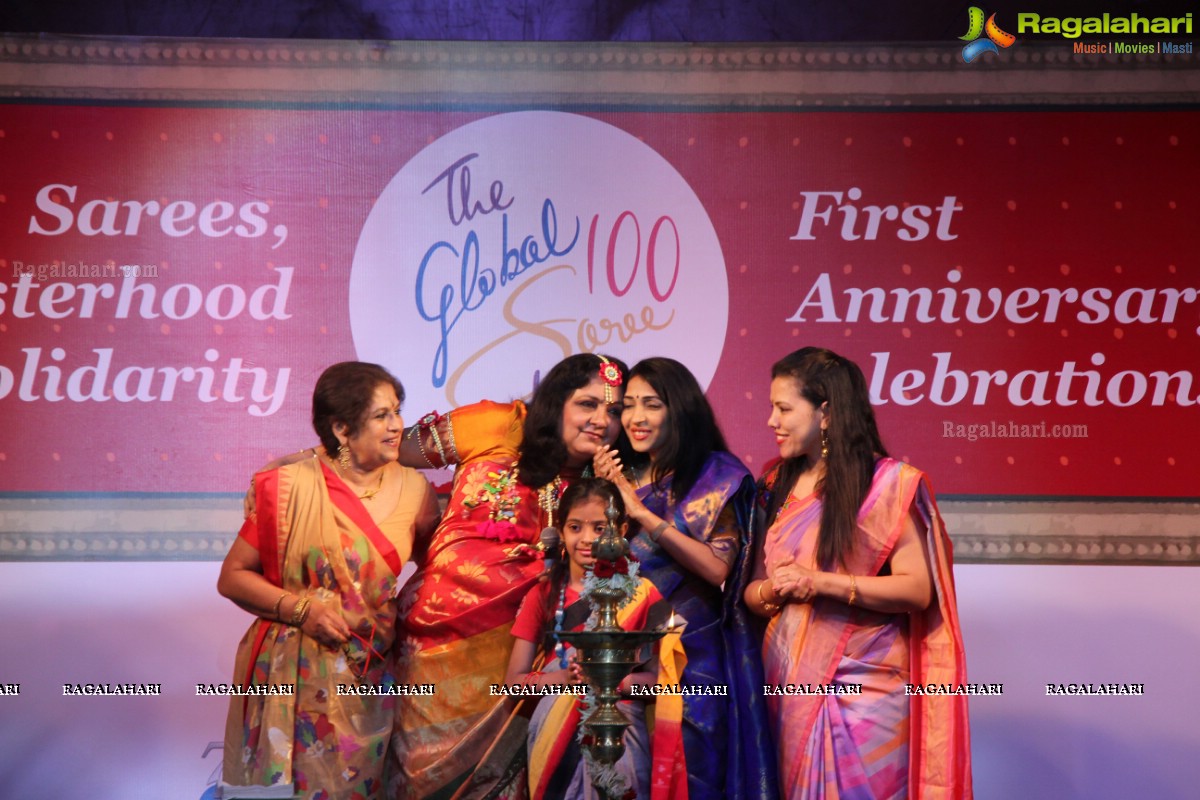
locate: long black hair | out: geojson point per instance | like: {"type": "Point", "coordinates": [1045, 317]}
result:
{"type": "Point", "coordinates": [691, 432]}
{"type": "Point", "coordinates": [823, 376]}
{"type": "Point", "coordinates": [542, 453]}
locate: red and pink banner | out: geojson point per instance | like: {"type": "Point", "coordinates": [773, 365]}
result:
{"type": "Point", "coordinates": [1021, 289]}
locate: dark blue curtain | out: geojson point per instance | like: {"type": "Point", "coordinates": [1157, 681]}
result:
{"type": "Point", "coordinates": [544, 20]}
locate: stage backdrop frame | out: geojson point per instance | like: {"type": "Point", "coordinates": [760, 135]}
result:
{"type": "Point", "coordinates": [593, 77]}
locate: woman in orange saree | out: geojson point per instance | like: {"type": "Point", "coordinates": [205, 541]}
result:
{"type": "Point", "coordinates": [512, 465]}
{"type": "Point", "coordinates": [854, 573]}
{"type": "Point", "coordinates": [318, 563]}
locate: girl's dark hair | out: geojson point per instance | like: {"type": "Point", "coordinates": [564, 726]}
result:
{"type": "Point", "coordinates": [585, 489]}
{"type": "Point", "coordinates": [580, 491]}
{"type": "Point", "coordinates": [692, 432]}
{"type": "Point", "coordinates": [823, 376]}
{"type": "Point", "coordinates": [343, 394]}
{"type": "Point", "coordinates": [542, 453]}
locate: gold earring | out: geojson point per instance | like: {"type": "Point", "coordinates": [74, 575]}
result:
{"type": "Point", "coordinates": [824, 443]}
{"type": "Point", "coordinates": [343, 457]}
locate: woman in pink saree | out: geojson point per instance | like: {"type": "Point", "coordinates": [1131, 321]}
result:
{"type": "Point", "coordinates": [854, 574]}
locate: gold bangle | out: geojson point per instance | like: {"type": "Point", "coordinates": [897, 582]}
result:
{"type": "Point", "coordinates": [768, 606]}
{"type": "Point", "coordinates": [278, 603]}
{"type": "Point", "coordinates": [300, 612]}
{"type": "Point", "coordinates": [853, 590]}
{"type": "Point", "coordinates": [658, 531]}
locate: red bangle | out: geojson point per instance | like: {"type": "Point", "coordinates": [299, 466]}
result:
{"type": "Point", "coordinates": [533, 675]}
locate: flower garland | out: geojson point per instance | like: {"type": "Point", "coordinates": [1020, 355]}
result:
{"type": "Point", "coordinates": [603, 776]}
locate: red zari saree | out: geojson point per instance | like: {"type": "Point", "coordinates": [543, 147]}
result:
{"type": "Point", "coordinates": [459, 608]}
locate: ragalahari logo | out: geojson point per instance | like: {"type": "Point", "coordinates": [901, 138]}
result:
{"type": "Point", "coordinates": [976, 46]}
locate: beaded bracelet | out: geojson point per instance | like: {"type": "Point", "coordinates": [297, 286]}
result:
{"type": "Point", "coordinates": [429, 422]}
{"type": "Point", "coordinates": [415, 433]}
{"type": "Point", "coordinates": [450, 444]}
{"type": "Point", "coordinates": [437, 443]}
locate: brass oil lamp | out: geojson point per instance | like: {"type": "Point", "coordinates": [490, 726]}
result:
{"type": "Point", "coordinates": [607, 654]}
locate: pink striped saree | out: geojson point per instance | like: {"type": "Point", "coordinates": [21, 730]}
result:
{"type": "Point", "coordinates": [869, 740]}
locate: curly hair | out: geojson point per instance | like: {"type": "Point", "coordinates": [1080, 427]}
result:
{"type": "Point", "coordinates": [543, 452]}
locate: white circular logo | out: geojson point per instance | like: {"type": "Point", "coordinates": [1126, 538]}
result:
{"type": "Point", "coordinates": [517, 240]}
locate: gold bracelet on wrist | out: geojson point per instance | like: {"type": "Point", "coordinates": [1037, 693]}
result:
{"type": "Point", "coordinates": [300, 612]}
{"type": "Point", "coordinates": [429, 423]}
{"type": "Point", "coordinates": [658, 531]}
{"type": "Point", "coordinates": [768, 606]}
{"type": "Point", "coordinates": [278, 603]}
{"type": "Point", "coordinates": [853, 591]}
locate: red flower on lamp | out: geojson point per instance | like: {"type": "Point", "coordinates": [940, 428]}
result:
{"type": "Point", "coordinates": [606, 569]}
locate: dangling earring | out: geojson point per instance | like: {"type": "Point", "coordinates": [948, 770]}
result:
{"type": "Point", "coordinates": [824, 443]}
{"type": "Point", "coordinates": [343, 457]}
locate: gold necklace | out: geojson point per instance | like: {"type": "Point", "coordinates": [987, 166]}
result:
{"type": "Point", "coordinates": [366, 495]}
{"type": "Point", "coordinates": [369, 493]}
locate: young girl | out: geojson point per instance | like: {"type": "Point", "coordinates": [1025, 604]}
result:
{"type": "Point", "coordinates": [556, 763]}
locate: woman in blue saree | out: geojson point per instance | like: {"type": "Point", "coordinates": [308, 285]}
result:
{"type": "Point", "coordinates": [691, 500]}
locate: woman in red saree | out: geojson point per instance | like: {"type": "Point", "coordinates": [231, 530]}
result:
{"type": "Point", "coordinates": [318, 564]}
{"type": "Point", "coordinates": [854, 574]}
{"type": "Point", "coordinates": [512, 464]}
